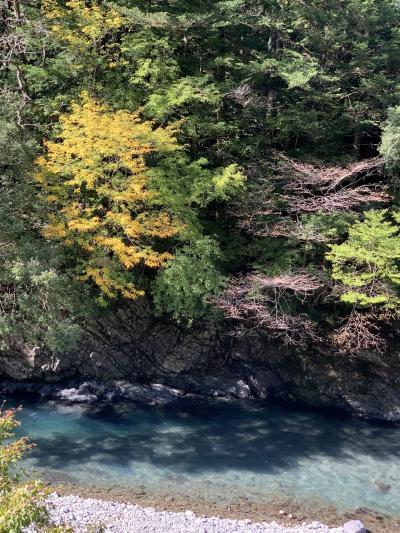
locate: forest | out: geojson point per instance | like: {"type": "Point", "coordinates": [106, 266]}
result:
{"type": "Point", "coordinates": [221, 158]}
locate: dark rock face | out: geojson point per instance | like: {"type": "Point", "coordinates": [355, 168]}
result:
{"type": "Point", "coordinates": [131, 346]}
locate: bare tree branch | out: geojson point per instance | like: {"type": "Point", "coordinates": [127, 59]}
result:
{"type": "Point", "coordinates": [260, 302]}
{"type": "Point", "coordinates": [290, 189]}
{"type": "Point", "coordinates": [360, 332]}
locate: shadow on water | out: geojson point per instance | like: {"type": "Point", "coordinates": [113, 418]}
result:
{"type": "Point", "coordinates": [205, 437]}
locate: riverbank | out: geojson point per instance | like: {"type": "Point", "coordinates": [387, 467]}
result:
{"type": "Point", "coordinates": [131, 347]}
{"type": "Point", "coordinates": [88, 514]}
{"type": "Point", "coordinates": [277, 509]}
{"type": "Point", "coordinates": [95, 393]}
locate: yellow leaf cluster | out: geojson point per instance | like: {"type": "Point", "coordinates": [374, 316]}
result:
{"type": "Point", "coordinates": [109, 285]}
{"type": "Point", "coordinates": [79, 23]}
{"type": "Point", "coordinates": [94, 176]}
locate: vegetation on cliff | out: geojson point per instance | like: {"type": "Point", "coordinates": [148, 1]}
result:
{"type": "Point", "coordinates": [237, 157]}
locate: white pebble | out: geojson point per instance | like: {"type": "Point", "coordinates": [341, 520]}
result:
{"type": "Point", "coordinates": [81, 514]}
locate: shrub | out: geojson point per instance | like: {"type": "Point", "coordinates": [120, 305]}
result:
{"type": "Point", "coordinates": [366, 265]}
{"type": "Point", "coordinates": [21, 502]}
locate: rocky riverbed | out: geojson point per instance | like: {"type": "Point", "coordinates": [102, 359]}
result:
{"type": "Point", "coordinates": [88, 514]}
{"type": "Point", "coordinates": [276, 509]}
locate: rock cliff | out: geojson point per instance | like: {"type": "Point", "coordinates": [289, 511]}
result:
{"type": "Point", "coordinates": [131, 344]}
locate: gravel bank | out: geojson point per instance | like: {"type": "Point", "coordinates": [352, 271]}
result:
{"type": "Point", "coordinates": [112, 517]}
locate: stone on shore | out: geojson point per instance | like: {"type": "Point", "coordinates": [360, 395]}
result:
{"type": "Point", "coordinates": [354, 526]}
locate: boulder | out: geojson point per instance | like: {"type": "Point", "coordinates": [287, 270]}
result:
{"type": "Point", "coordinates": [354, 526]}
{"type": "Point", "coordinates": [74, 396]}
{"type": "Point", "coordinates": [154, 394]}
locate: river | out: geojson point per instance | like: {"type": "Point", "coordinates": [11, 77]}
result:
{"type": "Point", "coordinates": [218, 450]}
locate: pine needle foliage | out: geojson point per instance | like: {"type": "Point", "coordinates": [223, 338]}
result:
{"type": "Point", "coordinates": [367, 264]}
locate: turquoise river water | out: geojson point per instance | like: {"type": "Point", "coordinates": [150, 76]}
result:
{"type": "Point", "coordinates": [218, 450]}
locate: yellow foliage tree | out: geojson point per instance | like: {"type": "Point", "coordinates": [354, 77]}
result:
{"type": "Point", "coordinates": [94, 175]}
{"type": "Point", "coordinates": [80, 24]}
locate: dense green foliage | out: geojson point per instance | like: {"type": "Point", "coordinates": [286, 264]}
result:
{"type": "Point", "coordinates": [183, 287]}
{"type": "Point", "coordinates": [39, 300]}
{"type": "Point", "coordinates": [276, 107]}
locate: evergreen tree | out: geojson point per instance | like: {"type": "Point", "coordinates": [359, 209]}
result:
{"type": "Point", "coordinates": [280, 105]}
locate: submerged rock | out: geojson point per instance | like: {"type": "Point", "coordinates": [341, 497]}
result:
{"type": "Point", "coordinates": [383, 487]}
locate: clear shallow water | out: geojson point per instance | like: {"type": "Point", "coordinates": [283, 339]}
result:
{"type": "Point", "coordinates": [218, 451]}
